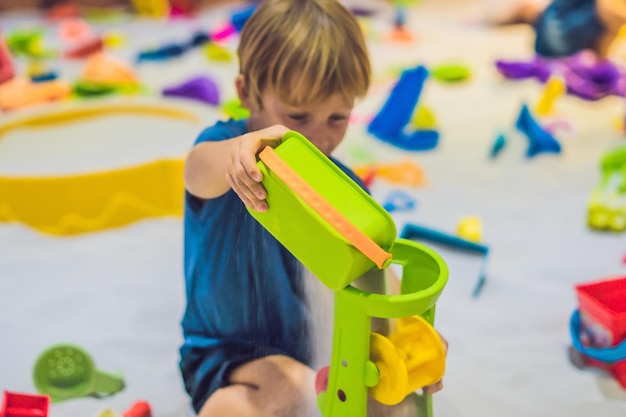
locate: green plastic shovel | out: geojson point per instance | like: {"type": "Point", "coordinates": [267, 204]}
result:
{"type": "Point", "coordinates": [67, 371]}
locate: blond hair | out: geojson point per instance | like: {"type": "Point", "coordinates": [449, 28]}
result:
{"type": "Point", "coordinates": [304, 51]}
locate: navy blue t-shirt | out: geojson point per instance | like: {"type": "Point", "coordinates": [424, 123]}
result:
{"type": "Point", "coordinates": [567, 27]}
{"type": "Point", "coordinates": [244, 290]}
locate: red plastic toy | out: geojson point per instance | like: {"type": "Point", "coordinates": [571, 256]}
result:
{"type": "Point", "coordinates": [24, 405]}
{"type": "Point", "coordinates": [602, 306]}
{"type": "Point", "coordinates": [138, 409]}
{"type": "Point", "coordinates": [7, 70]}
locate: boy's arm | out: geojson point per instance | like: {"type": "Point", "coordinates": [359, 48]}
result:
{"type": "Point", "coordinates": [212, 168]}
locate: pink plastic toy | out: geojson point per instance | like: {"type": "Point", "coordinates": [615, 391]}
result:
{"type": "Point", "coordinates": [6, 64]}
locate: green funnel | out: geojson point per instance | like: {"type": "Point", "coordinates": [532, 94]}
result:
{"type": "Point", "coordinates": [67, 371]}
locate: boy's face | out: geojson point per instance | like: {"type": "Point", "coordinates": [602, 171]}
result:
{"type": "Point", "coordinates": [324, 124]}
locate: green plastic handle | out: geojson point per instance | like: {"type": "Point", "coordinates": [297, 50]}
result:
{"type": "Point", "coordinates": [108, 384]}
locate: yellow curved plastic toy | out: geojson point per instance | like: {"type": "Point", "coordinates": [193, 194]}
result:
{"type": "Point", "coordinates": [68, 115]}
{"type": "Point", "coordinates": [69, 205]}
{"type": "Point", "coordinates": [393, 384]}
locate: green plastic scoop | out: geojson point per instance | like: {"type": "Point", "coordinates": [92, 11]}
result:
{"type": "Point", "coordinates": [66, 371]}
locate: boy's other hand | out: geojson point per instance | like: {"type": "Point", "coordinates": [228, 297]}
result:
{"type": "Point", "coordinates": [243, 174]}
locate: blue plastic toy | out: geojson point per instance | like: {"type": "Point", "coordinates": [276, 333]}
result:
{"type": "Point", "coordinates": [391, 122]}
{"type": "Point", "coordinates": [498, 145]}
{"type": "Point", "coordinates": [399, 201]}
{"type": "Point", "coordinates": [540, 141]}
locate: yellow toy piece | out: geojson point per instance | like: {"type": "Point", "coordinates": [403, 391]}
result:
{"type": "Point", "coordinates": [393, 382]}
{"type": "Point", "coordinates": [103, 69]}
{"type": "Point", "coordinates": [152, 8]}
{"type": "Point", "coordinates": [424, 119]}
{"type": "Point", "coordinates": [555, 87]}
{"type": "Point", "coordinates": [215, 52]}
{"type": "Point", "coordinates": [22, 92]}
{"type": "Point", "coordinates": [73, 204]}
{"type": "Point", "coordinates": [470, 228]}
{"type": "Point", "coordinates": [114, 39]}
{"type": "Point", "coordinates": [421, 350]}
{"type": "Point", "coordinates": [107, 412]}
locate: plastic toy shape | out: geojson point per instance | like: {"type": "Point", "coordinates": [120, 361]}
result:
{"type": "Point", "coordinates": [163, 53]}
{"type": "Point", "coordinates": [102, 69]}
{"type": "Point", "coordinates": [152, 8]}
{"type": "Point", "coordinates": [336, 262]}
{"type": "Point", "coordinates": [497, 146]}
{"type": "Point", "coordinates": [241, 16]}
{"type": "Point", "coordinates": [235, 110]}
{"type": "Point", "coordinates": [424, 118]}
{"type": "Point", "coordinates": [201, 88]}
{"type": "Point", "coordinates": [84, 203]}
{"type": "Point", "coordinates": [85, 49]}
{"type": "Point", "coordinates": [138, 409]}
{"type": "Point", "coordinates": [22, 92]}
{"type": "Point", "coordinates": [585, 75]}
{"type": "Point", "coordinates": [28, 43]}
{"type": "Point", "coordinates": [451, 72]}
{"type": "Point", "coordinates": [65, 372]}
{"type": "Point", "coordinates": [554, 88]}
{"type": "Point", "coordinates": [389, 124]}
{"type": "Point", "coordinates": [607, 202]}
{"type": "Point", "coordinates": [399, 201]}
{"type": "Point", "coordinates": [540, 141]}
{"type": "Point", "coordinates": [415, 232]}
{"type": "Point", "coordinates": [108, 412]}
{"type": "Point", "coordinates": [75, 30]}
{"type": "Point", "coordinates": [224, 32]}
{"type": "Point", "coordinates": [215, 52]}
{"type": "Point", "coordinates": [7, 70]}
{"type": "Point", "coordinates": [24, 405]}
{"type": "Point", "coordinates": [470, 228]}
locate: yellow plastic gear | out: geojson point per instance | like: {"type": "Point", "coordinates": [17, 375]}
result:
{"type": "Point", "coordinates": [392, 386]}
{"type": "Point", "coordinates": [419, 346]}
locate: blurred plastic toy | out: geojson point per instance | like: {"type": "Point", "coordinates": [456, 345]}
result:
{"type": "Point", "coordinates": [24, 405]}
{"type": "Point", "coordinates": [105, 74]}
{"type": "Point", "coordinates": [241, 16]}
{"type": "Point", "coordinates": [424, 119]}
{"type": "Point", "coordinates": [47, 76]}
{"type": "Point", "coordinates": [470, 228]}
{"type": "Point", "coordinates": [152, 8]}
{"type": "Point", "coordinates": [389, 124]}
{"type": "Point", "coordinates": [309, 196]}
{"type": "Point", "coordinates": [113, 39]}
{"type": "Point", "coordinates": [28, 43]}
{"type": "Point", "coordinates": [403, 173]}
{"type": "Point", "coordinates": [234, 109]}
{"type": "Point", "coordinates": [452, 72]}
{"type": "Point", "coordinates": [63, 10]}
{"type": "Point", "coordinates": [554, 88]}
{"type": "Point", "coordinates": [598, 327]}
{"type": "Point", "coordinates": [498, 145]}
{"type": "Point", "coordinates": [399, 201]}
{"type": "Point", "coordinates": [420, 233]}
{"type": "Point", "coordinates": [399, 32]}
{"type": "Point", "coordinates": [585, 75]}
{"type": "Point", "coordinates": [75, 30]}
{"type": "Point", "coordinates": [21, 92]}
{"type": "Point", "coordinates": [85, 49]}
{"type": "Point", "coordinates": [201, 88]}
{"type": "Point", "coordinates": [138, 409]}
{"type": "Point", "coordinates": [86, 203]}
{"type": "Point", "coordinates": [7, 71]}
{"type": "Point", "coordinates": [66, 372]}
{"type": "Point", "coordinates": [223, 32]}
{"type": "Point", "coordinates": [540, 141]}
{"type": "Point", "coordinates": [215, 52]}
{"type": "Point", "coordinates": [607, 202]}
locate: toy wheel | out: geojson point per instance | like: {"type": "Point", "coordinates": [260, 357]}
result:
{"type": "Point", "coordinates": [419, 346]}
{"type": "Point", "coordinates": [393, 384]}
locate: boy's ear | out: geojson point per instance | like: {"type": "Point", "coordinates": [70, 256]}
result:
{"type": "Point", "coordinates": [242, 91]}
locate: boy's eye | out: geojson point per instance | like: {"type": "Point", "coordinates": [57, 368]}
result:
{"type": "Point", "coordinates": [298, 117]}
{"type": "Point", "coordinates": [338, 118]}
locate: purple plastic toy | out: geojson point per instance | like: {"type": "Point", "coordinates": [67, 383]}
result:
{"type": "Point", "coordinates": [585, 75]}
{"type": "Point", "coordinates": [200, 88]}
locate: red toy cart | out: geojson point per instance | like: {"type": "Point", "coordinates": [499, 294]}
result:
{"type": "Point", "coordinates": [24, 405]}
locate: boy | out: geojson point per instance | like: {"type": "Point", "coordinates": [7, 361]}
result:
{"type": "Point", "coordinates": [565, 27]}
{"type": "Point", "coordinates": [247, 349]}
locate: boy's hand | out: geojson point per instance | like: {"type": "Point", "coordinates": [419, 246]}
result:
{"type": "Point", "coordinates": [243, 174]}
